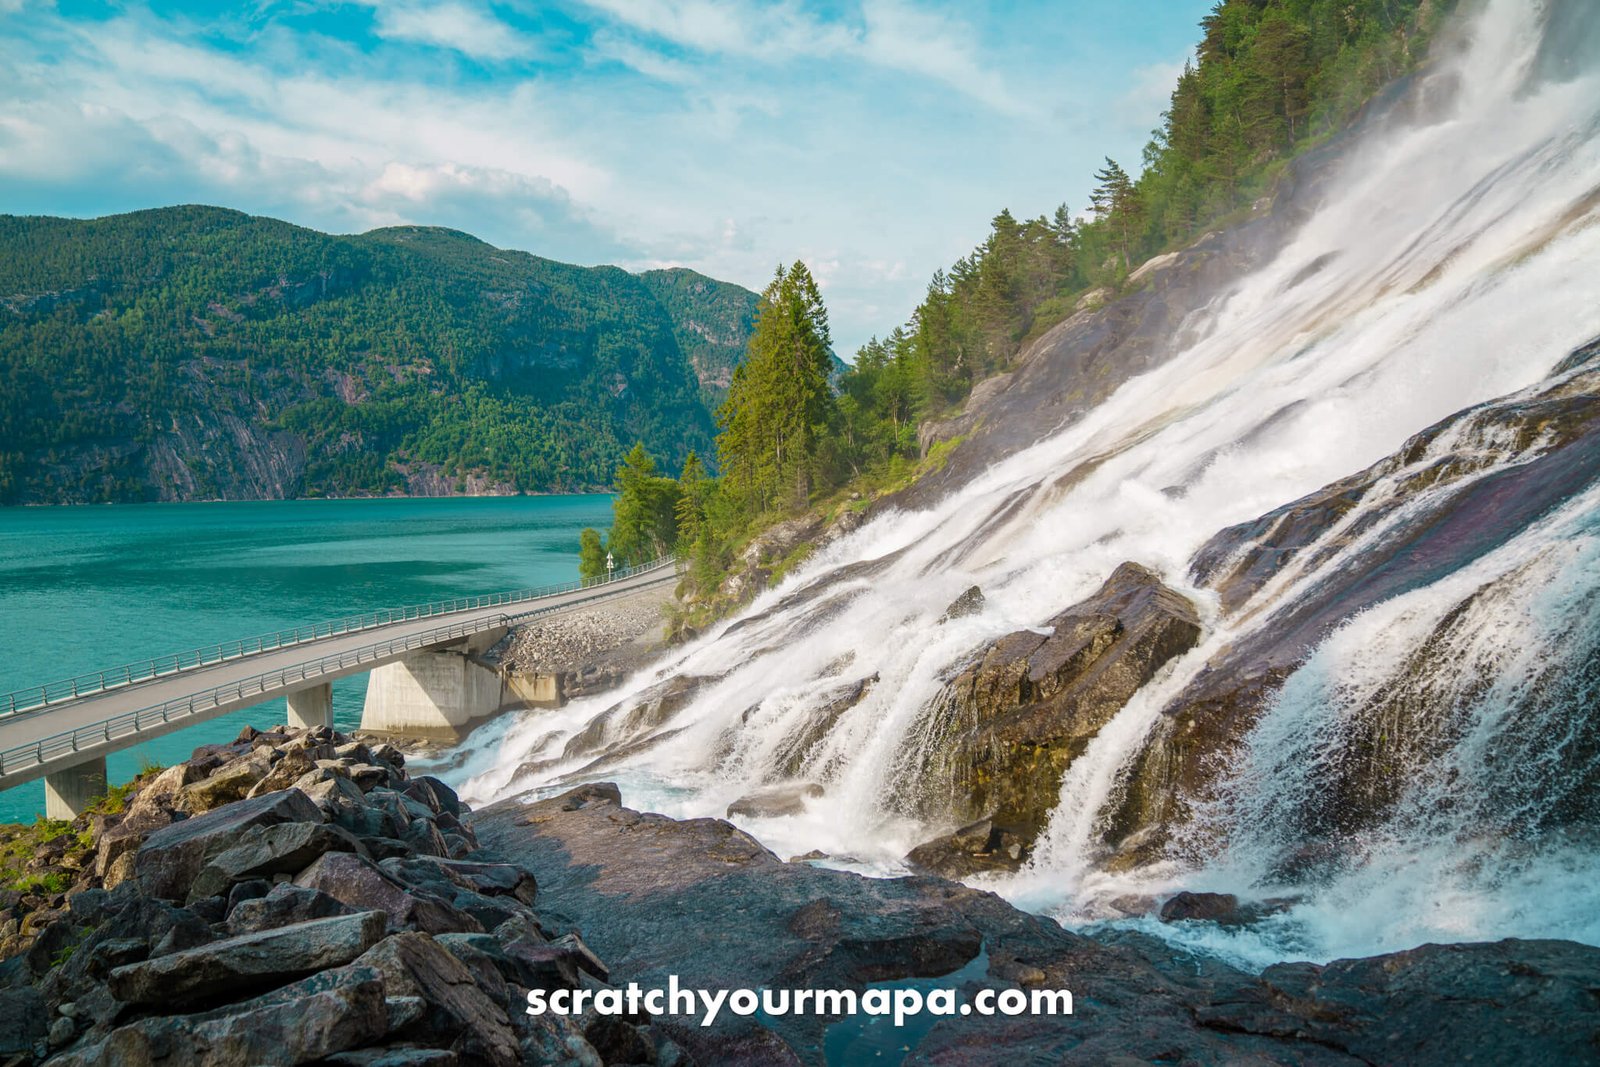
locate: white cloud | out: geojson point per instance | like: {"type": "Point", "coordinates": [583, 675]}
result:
{"type": "Point", "coordinates": [759, 132]}
{"type": "Point", "coordinates": [452, 25]}
{"type": "Point", "coordinates": [891, 34]}
{"type": "Point", "coordinates": [901, 37]}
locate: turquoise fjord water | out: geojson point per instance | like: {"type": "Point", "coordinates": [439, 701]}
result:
{"type": "Point", "coordinates": [87, 588]}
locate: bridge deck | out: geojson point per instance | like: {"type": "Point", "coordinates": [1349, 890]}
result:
{"type": "Point", "coordinates": [35, 743]}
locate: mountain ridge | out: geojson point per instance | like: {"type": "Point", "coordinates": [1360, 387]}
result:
{"type": "Point", "coordinates": [198, 352]}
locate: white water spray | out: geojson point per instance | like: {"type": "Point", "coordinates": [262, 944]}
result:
{"type": "Point", "coordinates": [1451, 262]}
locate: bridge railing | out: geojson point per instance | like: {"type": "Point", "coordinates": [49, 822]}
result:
{"type": "Point", "coordinates": [267, 684]}
{"type": "Point", "coordinates": [41, 696]}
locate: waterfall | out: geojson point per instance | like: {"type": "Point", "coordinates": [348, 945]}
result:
{"type": "Point", "coordinates": [1451, 261]}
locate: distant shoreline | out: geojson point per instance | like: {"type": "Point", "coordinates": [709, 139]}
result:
{"type": "Point", "coordinates": [303, 499]}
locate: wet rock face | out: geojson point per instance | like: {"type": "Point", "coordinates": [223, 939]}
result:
{"type": "Point", "coordinates": [1463, 500]}
{"type": "Point", "coordinates": [704, 901]}
{"type": "Point", "coordinates": [974, 849]}
{"type": "Point", "coordinates": [1010, 723]}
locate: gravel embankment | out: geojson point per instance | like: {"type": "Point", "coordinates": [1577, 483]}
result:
{"type": "Point", "coordinates": [607, 640]}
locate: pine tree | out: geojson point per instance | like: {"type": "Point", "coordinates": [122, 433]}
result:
{"type": "Point", "coordinates": [780, 405]}
{"type": "Point", "coordinates": [1116, 200]}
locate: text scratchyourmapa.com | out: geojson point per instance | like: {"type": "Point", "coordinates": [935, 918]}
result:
{"type": "Point", "coordinates": [899, 1004]}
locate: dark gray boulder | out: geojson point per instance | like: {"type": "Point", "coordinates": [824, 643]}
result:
{"type": "Point", "coordinates": [460, 1014]}
{"type": "Point", "coordinates": [360, 883]}
{"type": "Point", "coordinates": [250, 961]}
{"type": "Point", "coordinates": [284, 905]}
{"type": "Point", "coordinates": [328, 1013]}
{"type": "Point", "coordinates": [171, 858]}
{"type": "Point", "coordinates": [264, 851]}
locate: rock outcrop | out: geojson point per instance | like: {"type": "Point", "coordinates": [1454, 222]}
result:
{"type": "Point", "coordinates": [1449, 496]}
{"type": "Point", "coordinates": [1007, 726]}
{"type": "Point", "coordinates": [701, 900]}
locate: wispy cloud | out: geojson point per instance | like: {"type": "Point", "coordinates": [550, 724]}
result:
{"type": "Point", "coordinates": [473, 31]}
{"type": "Point", "coordinates": [890, 34]}
{"type": "Point", "coordinates": [874, 138]}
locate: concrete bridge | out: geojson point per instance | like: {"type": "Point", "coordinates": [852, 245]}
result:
{"type": "Point", "coordinates": [426, 681]}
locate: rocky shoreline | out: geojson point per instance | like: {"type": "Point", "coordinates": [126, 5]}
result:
{"type": "Point", "coordinates": [291, 897]}
{"type": "Point", "coordinates": [299, 897]}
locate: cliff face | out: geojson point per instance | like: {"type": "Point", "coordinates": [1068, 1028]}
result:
{"type": "Point", "coordinates": [197, 353]}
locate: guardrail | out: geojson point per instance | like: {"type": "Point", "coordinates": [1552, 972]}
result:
{"type": "Point", "coordinates": [36, 753]}
{"type": "Point", "coordinates": [42, 696]}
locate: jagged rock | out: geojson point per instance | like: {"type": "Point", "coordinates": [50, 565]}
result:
{"type": "Point", "coordinates": [460, 1015]}
{"type": "Point", "coordinates": [1208, 907]}
{"type": "Point", "coordinates": [264, 851]}
{"type": "Point", "coordinates": [23, 1019]}
{"type": "Point", "coordinates": [227, 785]}
{"type": "Point", "coordinates": [368, 776]}
{"type": "Point", "coordinates": [283, 905]}
{"type": "Point", "coordinates": [250, 961]}
{"type": "Point", "coordinates": [424, 837]}
{"type": "Point", "coordinates": [969, 603]}
{"type": "Point", "coordinates": [156, 795]}
{"type": "Point", "coordinates": [293, 765]}
{"type": "Point", "coordinates": [360, 883]}
{"type": "Point", "coordinates": [594, 793]}
{"type": "Point", "coordinates": [489, 879]}
{"type": "Point", "coordinates": [438, 796]}
{"type": "Point", "coordinates": [777, 802]}
{"type": "Point", "coordinates": [125, 837]}
{"type": "Point", "coordinates": [1018, 714]}
{"type": "Point", "coordinates": [975, 848]}
{"type": "Point", "coordinates": [171, 858]}
{"type": "Point", "coordinates": [327, 1013]}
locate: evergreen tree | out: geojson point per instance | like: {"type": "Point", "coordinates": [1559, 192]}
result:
{"type": "Point", "coordinates": [780, 405]}
{"type": "Point", "coordinates": [1116, 201]}
{"type": "Point", "coordinates": [644, 523]}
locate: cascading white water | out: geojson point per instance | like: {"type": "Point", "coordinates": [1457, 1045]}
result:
{"type": "Point", "coordinates": [1457, 262]}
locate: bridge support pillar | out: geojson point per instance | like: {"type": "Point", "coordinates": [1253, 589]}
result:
{"type": "Point", "coordinates": [68, 792]}
{"type": "Point", "coordinates": [434, 694]}
{"type": "Point", "coordinates": [312, 707]}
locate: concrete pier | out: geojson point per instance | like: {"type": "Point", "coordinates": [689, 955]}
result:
{"type": "Point", "coordinates": [67, 792]}
{"type": "Point", "coordinates": [434, 694]}
{"type": "Point", "coordinates": [312, 707]}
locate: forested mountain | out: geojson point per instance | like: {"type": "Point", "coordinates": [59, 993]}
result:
{"type": "Point", "coordinates": [196, 352]}
{"type": "Point", "coordinates": [712, 321]}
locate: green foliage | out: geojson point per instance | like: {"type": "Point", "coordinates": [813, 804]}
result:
{"type": "Point", "coordinates": [712, 322]}
{"type": "Point", "coordinates": [1272, 78]}
{"type": "Point", "coordinates": [393, 353]}
{"type": "Point", "coordinates": [645, 513]}
{"type": "Point", "coordinates": [591, 554]}
{"type": "Point", "coordinates": [781, 407]}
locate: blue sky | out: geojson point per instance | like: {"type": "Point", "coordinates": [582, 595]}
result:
{"type": "Point", "coordinates": [872, 138]}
